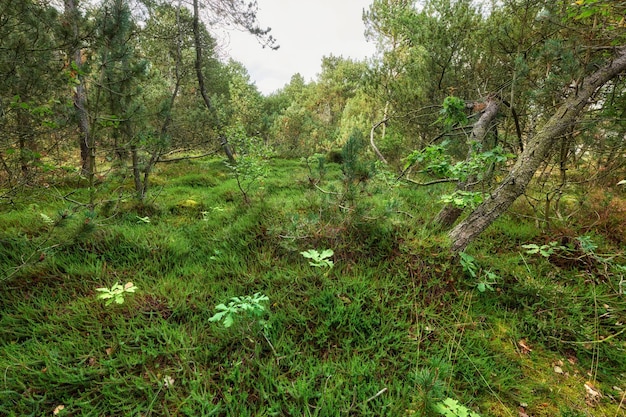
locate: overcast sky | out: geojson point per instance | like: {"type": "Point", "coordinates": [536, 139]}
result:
{"type": "Point", "coordinates": [306, 30]}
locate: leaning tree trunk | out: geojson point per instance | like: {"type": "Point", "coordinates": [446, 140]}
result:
{"type": "Point", "coordinates": [450, 213]}
{"type": "Point", "coordinates": [537, 150]}
{"type": "Point", "coordinates": [201, 86]}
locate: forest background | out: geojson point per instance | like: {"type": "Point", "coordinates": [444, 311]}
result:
{"type": "Point", "coordinates": [502, 118]}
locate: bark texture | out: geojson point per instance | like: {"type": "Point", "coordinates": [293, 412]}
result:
{"type": "Point", "coordinates": [536, 151]}
{"type": "Point", "coordinates": [80, 92]}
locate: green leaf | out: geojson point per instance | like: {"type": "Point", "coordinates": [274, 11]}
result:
{"type": "Point", "coordinates": [217, 316]}
{"type": "Point", "coordinates": [228, 320]}
{"type": "Point", "coordinates": [531, 248]}
{"type": "Point", "coordinates": [587, 13]}
{"type": "Point", "coordinates": [326, 253]}
{"type": "Point", "coordinates": [310, 254]}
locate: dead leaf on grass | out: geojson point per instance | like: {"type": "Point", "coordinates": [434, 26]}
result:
{"type": "Point", "coordinates": [525, 349]}
{"type": "Point", "coordinates": [58, 409]}
{"type": "Point", "coordinates": [168, 382]}
{"type": "Point", "coordinates": [593, 394]}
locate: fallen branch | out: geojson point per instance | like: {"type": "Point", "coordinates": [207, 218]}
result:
{"type": "Point", "coordinates": [184, 158]}
{"type": "Point", "coordinates": [425, 184]}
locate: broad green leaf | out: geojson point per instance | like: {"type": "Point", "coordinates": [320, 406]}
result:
{"type": "Point", "coordinates": [217, 316]}
{"type": "Point", "coordinates": [310, 254]}
{"type": "Point", "coordinates": [105, 296]}
{"type": "Point", "coordinates": [228, 320]}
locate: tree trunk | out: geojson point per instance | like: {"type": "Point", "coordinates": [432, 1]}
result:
{"type": "Point", "coordinates": [26, 144]}
{"type": "Point", "coordinates": [373, 144]}
{"type": "Point", "coordinates": [80, 93]}
{"type": "Point", "coordinates": [158, 151]}
{"type": "Point", "coordinates": [537, 150]}
{"type": "Point", "coordinates": [136, 172]}
{"type": "Point", "coordinates": [198, 64]}
{"type": "Point", "coordinates": [450, 213]}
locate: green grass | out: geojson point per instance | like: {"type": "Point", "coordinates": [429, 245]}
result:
{"type": "Point", "coordinates": [393, 328]}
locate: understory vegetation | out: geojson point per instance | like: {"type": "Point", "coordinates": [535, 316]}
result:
{"type": "Point", "coordinates": [392, 324]}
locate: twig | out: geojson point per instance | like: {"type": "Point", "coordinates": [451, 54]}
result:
{"type": "Point", "coordinates": [619, 407]}
{"type": "Point", "coordinates": [424, 184]}
{"type": "Point", "coordinates": [293, 237]}
{"type": "Point", "coordinates": [405, 213]}
{"type": "Point", "coordinates": [324, 191]}
{"type": "Point", "coordinates": [378, 394]}
{"type": "Point", "coordinates": [271, 345]}
{"type": "Point", "coordinates": [590, 341]}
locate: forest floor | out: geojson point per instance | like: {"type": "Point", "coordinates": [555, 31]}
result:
{"type": "Point", "coordinates": [395, 327]}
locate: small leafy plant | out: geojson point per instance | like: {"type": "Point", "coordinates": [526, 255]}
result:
{"type": "Point", "coordinates": [451, 408]}
{"type": "Point", "coordinates": [117, 293]}
{"type": "Point", "coordinates": [251, 167]}
{"type": "Point", "coordinates": [543, 250]}
{"type": "Point", "coordinates": [252, 305]}
{"type": "Point", "coordinates": [319, 260]}
{"type": "Point", "coordinates": [487, 279]}
{"type": "Point", "coordinates": [488, 282]}
{"type": "Point", "coordinates": [463, 199]}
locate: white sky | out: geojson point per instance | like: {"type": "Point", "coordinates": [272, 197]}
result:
{"type": "Point", "coordinates": [306, 30]}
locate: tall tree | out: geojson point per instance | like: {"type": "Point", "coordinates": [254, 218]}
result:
{"type": "Point", "coordinates": [30, 81]}
{"type": "Point", "coordinates": [122, 73]}
{"type": "Point", "coordinates": [240, 13]}
{"type": "Point", "coordinates": [71, 20]}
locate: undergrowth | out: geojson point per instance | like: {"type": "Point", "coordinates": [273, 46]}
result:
{"type": "Point", "coordinates": [394, 328]}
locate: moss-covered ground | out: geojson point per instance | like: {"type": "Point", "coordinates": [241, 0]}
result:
{"type": "Point", "coordinates": [396, 326]}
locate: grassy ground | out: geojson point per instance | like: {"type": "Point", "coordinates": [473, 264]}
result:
{"type": "Point", "coordinates": [394, 327]}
